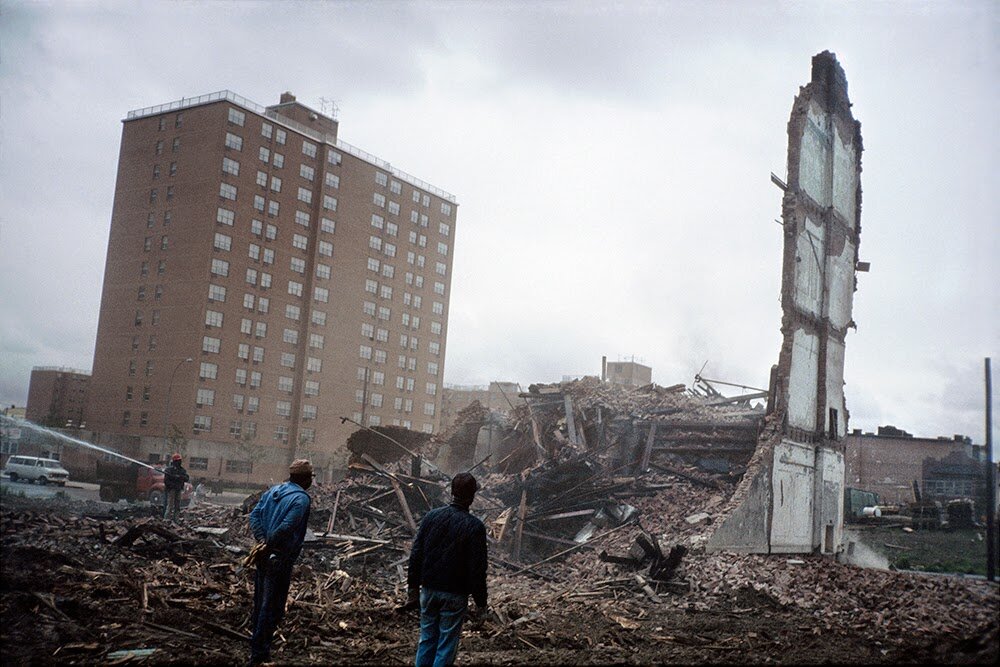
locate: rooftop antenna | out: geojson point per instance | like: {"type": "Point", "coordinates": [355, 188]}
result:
{"type": "Point", "coordinates": [328, 107]}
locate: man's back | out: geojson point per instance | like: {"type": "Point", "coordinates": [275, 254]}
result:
{"type": "Point", "coordinates": [280, 518]}
{"type": "Point", "coordinates": [449, 553]}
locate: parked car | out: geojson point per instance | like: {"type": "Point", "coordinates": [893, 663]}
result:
{"type": "Point", "coordinates": [34, 469]}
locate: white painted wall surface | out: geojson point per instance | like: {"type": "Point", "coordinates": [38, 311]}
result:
{"type": "Point", "coordinates": [809, 267]}
{"type": "Point", "coordinates": [840, 298]}
{"type": "Point", "coordinates": [815, 158]}
{"type": "Point", "coordinates": [803, 378]}
{"type": "Point", "coordinates": [835, 386]}
{"type": "Point", "coordinates": [845, 178]}
{"type": "Point", "coordinates": [828, 500]}
{"type": "Point", "coordinates": [793, 477]}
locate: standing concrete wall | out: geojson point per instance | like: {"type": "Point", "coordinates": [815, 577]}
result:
{"type": "Point", "coordinates": [799, 476]}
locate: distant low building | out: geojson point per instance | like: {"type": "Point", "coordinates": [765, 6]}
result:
{"type": "Point", "coordinates": [890, 460]}
{"type": "Point", "coordinates": [14, 412]}
{"type": "Point", "coordinates": [10, 434]}
{"type": "Point", "coordinates": [57, 396]}
{"type": "Point", "coordinates": [627, 373]}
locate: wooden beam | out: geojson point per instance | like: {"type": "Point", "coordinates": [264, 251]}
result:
{"type": "Point", "coordinates": [644, 461]}
{"type": "Point", "coordinates": [563, 515]}
{"type": "Point", "coordinates": [743, 425]}
{"type": "Point", "coordinates": [506, 516]}
{"type": "Point", "coordinates": [573, 548]}
{"type": "Point", "coordinates": [333, 514]}
{"type": "Point", "coordinates": [557, 540]}
{"type": "Point", "coordinates": [336, 537]}
{"type": "Point", "coordinates": [570, 422]}
{"type": "Point", "coordinates": [406, 507]}
{"type": "Point", "coordinates": [737, 399]}
{"type": "Point", "coordinates": [706, 449]}
{"type": "Point", "coordinates": [680, 473]}
{"type": "Point", "coordinates": [521, 512]}
{"type": "Point", "coordinates": [647, 589]}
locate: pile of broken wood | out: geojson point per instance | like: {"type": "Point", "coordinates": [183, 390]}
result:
{"type": "Point", "coordinates": [576, 529]}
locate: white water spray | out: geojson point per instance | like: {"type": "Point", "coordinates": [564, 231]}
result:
{"type": "Point", "coordinates": [10, 422]}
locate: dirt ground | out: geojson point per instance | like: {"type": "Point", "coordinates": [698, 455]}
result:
{"type": "Point", "coordinates": [70, 595]}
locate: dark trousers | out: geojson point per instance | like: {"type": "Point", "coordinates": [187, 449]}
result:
{"type": "Point", "coordinates": [269, 595]}
{"type": "Point", "coordinates": [171, 504]}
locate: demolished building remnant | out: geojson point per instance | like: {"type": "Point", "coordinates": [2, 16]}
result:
{"type": "Point", "coordinates": [565, 466]}
{"type": "Point", "coordinates": [385, 443]}
{"type": "Point", "coordinates": [599, 522]}
{"type": "Point", "coordinates": [85, 582]}
{"type": "Point", "coordinates": [498, 397]}
{"type": "Point", "coordinates": [791, 501]}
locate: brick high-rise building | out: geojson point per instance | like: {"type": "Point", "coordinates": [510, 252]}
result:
{"type": "Point", "coordinates": [57, 396]}
{"type": "Point", "coordinates": [263, 280]}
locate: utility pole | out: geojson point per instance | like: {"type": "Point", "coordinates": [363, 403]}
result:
{"type": "Point", "coordinates": [991, 526]}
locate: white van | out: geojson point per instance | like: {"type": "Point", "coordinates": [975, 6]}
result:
{"type": "Point", "coordinates": [32, 468]}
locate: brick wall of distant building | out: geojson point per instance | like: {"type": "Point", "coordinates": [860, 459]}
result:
{"type": "Point", "coordinates": [57, 397]}
{"type": "Point", "coordinates": [888, 462]}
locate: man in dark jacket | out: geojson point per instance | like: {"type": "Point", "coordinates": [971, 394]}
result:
{"type": "Point", "coordinates": [174, 479]}
{"type": "Point", "coordinates": [279, 523]}
{"type": "Point", "coordinates": [447, 564]}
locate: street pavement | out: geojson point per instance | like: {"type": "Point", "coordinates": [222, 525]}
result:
{"type": "Point", "coordinates": [74, 490]}
{"type": "Point", "coordinates": [85, 491]}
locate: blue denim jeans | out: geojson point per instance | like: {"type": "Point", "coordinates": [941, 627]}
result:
{"type": "Point", "coordinates": [441, 617]}
{"type": "Point", "coordinates": [269, 595]}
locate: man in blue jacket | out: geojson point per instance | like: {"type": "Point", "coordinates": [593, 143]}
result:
{"type": "Point", "coordinates": [279, 522]}
{"type": "Point", "coordinates": [447, 564]}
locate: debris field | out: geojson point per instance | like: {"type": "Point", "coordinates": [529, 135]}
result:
{"type": "Point", "coordinates": [596, 556]}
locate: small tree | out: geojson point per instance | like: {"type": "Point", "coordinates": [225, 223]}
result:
{"type": "Point", "coordinates": [308, 450]}
{"type": "Point", "coordinates": [178, 442]}
{"type": "Point", "coordinates": [51, 420]}
{"type": "Point", "coordinates": [250, 450]}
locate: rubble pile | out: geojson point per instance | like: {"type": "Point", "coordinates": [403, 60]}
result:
{"type": "Point", "coordinates": [596, 555]}
{"type": "Point", "coordinates": [82, 585]}
{"type": "Point", "coordinates": [627, 427]}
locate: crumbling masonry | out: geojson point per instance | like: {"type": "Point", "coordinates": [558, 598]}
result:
{"type": "Point", "coordinates": [790, 500]}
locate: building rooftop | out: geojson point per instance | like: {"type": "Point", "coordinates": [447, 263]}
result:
{"type": "Point", "coordinates": [60, 369]}
{"type": "Point", "coordinates": [239, 100]}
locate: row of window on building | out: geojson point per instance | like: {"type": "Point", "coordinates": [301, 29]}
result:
{"type": "Point", "coordinates": [401, 404]}
{"type": "Point", "coordinates": [309, 149]}
{"type": "Point", "coordinates": [231, 166]}
{"type": "Point", "coordinates": [376, 420]}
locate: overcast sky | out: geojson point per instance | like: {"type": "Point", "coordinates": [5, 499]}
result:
{"type": "Point", "coordinates": [611, 162]}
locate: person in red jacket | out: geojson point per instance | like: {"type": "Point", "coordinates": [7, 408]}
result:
{"type": "Point", "coordinates": [447, 565]}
